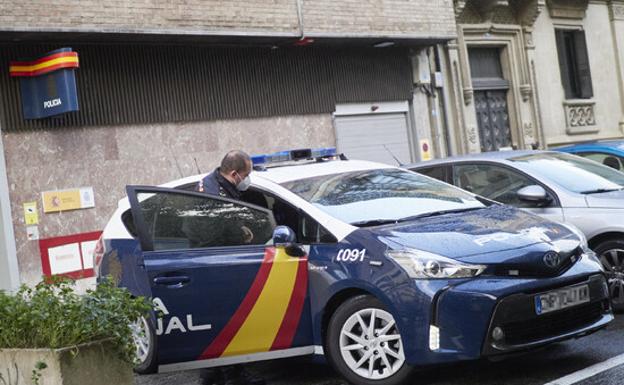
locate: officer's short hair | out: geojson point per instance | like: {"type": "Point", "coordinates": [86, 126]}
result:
{"type": "Point", "coordinates": [235, 160]}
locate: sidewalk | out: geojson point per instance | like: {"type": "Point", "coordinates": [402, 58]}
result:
{"type": "Point", "coordinates": [277, 372]}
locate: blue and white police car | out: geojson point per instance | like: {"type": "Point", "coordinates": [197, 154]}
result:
{"type": "Point", "coordinates": [379, 269]}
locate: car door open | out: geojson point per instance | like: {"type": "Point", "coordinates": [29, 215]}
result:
{"type": "Point", "coordinates": [220, 289]}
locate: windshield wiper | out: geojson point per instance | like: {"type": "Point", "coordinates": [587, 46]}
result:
{"type": "Point", "coordinates": [436, 213]}
{"type": "Point", "coordinates": [379, 222]}
{"type": "Point", "coordinates": [373, 222]}
{"type": "Point", "coordinates": [601, 190]}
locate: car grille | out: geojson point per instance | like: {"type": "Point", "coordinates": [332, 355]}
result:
{"type": "Point", "coordinates": [523, 327]}
{"type": "Point", "coordinates": [545, 326]}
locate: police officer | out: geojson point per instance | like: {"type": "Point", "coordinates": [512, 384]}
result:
{"type": "Point", "coordinates": [229, 180]}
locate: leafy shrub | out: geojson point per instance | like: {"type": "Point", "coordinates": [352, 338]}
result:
{"type": "Point", "coordinates": [51, 315]}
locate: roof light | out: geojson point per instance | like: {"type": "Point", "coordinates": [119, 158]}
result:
{"type": "Point", "coordinates": [261, 161]}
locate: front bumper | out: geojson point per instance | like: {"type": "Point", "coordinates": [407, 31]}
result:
{"type": "Point", "coordinates": [462, 316]}
{"type": "Point", "coordinates": [524, 329]}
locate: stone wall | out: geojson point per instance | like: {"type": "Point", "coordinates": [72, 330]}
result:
{"type": "Point", "coordinates": [606, 102]}
{"type": "Point", "coordinates": [109, 158]}
{"type": "Point", "coordinates": [413, 18]}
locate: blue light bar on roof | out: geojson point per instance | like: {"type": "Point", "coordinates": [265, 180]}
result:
{"type": "Point", "coordinates": [292, 155]}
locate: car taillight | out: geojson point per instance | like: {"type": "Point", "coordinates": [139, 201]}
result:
{"type": "Point", "coordinates": [98, 253]}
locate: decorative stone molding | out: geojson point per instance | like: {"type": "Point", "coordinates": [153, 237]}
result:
{"type": "Point", "coordinates": [580, 117]}
{"type": "Point", "coordinates": [468, 95]}
{"type": "Point", "coordinates": [529, 42]}
{"type": "Point", "coordinates": [616, 10]}
{"type": "Point", "coordinates": [526, 91]}
{"type": "Point", "coordinates": [460, 5]}
{"type": "Point", "coordinates": [529, 134]}
{"type": "Point", "coordinates": [523, 12]}
{"type": "Point", "coordinates": [472, 134]}
{"type": "Point", "coordinates": [567, 9]}
{"type": "Point", "coordinates": [527, 11]}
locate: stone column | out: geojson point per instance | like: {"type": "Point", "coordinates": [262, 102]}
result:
{"type": "Point", "coordinates": [616, 11]}
{"type": "Point", "coordinates": [461, 68]}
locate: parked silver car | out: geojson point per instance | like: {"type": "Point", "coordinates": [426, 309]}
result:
{"type": "Point", "coordinates": [558, 186]}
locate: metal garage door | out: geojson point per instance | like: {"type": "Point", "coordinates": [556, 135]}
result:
{"type": "Point", "coordinates": [364, 137]}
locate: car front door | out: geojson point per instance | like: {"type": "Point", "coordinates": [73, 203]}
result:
{"type": "Point", "coordinates": [219, 291]}
{"type": "Point", "coordinates": [501, 184]}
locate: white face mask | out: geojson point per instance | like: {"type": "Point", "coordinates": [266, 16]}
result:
{"type": "Point", "coordinates": [243, 185]}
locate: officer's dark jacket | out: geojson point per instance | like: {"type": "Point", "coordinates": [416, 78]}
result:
{"type": "Point", "coordinates": [215, 184]}
{"type": "Point", "coordinates": [226, 230]}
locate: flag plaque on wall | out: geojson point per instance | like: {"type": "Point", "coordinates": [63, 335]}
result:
{"type": "Point", "coordinates": [47, 83]}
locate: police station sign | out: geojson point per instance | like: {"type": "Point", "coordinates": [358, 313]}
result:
{"type": "Point", "coordinates": [47, 83]}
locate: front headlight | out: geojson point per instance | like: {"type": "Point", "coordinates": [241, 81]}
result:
{"type": "Point", "coordinates": [424, 265]}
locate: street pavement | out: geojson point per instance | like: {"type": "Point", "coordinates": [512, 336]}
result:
{"type": "Point", "coordinates": [536, 368]}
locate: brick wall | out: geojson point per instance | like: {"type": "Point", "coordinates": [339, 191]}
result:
{"type": "Point", "coordinates": [152, 15]}
{"type": "Point", "coordinates": [370, 17]}
{"type": "Point", "coordinates": [418, 18]}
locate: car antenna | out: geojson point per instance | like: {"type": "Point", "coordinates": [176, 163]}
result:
{"type": "Point", "coordinates": [196, 165]}
{"type": "Point", "coordinates": [175, 160]}
{"type": "Point", "coordinates": [392, 155]}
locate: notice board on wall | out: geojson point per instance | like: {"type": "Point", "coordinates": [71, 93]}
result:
{"type": "Point", "coordinates": [70, 256]}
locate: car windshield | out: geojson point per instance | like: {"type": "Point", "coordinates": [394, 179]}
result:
{"type": "Point", "coordinates": [572, 172]}
{"type": "Point", "coordinates": [371, 197]}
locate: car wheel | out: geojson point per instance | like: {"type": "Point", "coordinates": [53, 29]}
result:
{"type": "Point", "coordinates": [611, 254]}
{"type": "Point", "coordinates": [364, 344]}
{"type": "Point", "coordinates": [145, 343]}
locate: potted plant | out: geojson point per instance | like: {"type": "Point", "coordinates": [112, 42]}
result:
{"type": "Point", "coordinates": [49, 335]}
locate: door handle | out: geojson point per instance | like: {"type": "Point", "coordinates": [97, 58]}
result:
{"type": "Point", "coordinates": [176, 280]}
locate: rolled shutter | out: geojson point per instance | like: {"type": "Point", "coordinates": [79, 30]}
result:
{"type": "Point", "coordinates": [564, 66]}
{"type": "Point", "coordinates": [582, 62]}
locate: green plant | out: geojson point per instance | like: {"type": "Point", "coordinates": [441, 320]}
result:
{"type": "Point", "coordinates": [36, 373]}
{"type": "Point", "coordinates": [52, 315]}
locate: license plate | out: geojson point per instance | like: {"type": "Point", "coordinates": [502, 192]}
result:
{"type": "Point", "coordinates": [561, 299]}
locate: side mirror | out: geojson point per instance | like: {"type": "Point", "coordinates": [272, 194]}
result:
{"type": "Point", "coordinates": [284, 236]}
{"type": "Point", "coordinates": [534, 194]}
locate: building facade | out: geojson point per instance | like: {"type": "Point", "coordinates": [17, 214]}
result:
{"type": "Point", "coordinates": [165, 88]}
{"type": "Point", "coordinates": [536, 74]}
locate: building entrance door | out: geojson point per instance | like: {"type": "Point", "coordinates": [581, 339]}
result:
{"type": "Point", "coordinates": [490, 95]}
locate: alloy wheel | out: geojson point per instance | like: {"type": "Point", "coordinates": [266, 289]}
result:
{"type": "Point", "coordinates": [142, 339]}
{"type": "Point", "coordinates": [370, 344]}
{"type": "Point", "coordinates": [613, 262]}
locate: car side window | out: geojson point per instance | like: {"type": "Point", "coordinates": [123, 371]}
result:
{"type": "Point", "coordinates": [176, 221]}
{"type": "Point", "coordinates": [494, 182]}
{"type": "Point", "coordinates": [612, 161]}
{"type": "Point", "coordinates": [308, 230]}
{"type": "Point", "coordinates": [312, 232]}
{"type": "Point", "coordinates": [439, 172]}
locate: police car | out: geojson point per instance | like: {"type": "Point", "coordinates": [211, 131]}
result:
{"type": "Point", "coordinates": [379, 269]}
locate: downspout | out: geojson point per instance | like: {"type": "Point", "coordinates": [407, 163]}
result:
{"type": "Point", "coordinates": [300, 18]}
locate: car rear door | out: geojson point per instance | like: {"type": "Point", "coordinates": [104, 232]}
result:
{"type": "Point", "coordinates": [218, 289]}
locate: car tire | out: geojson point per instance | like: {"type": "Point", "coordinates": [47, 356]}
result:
{"type": "Point", "coordinates": [145, 341]}
{"type": "Point", "coordinates": [349, 325]}
{"type": "Point", "coordinates": [611, 254]}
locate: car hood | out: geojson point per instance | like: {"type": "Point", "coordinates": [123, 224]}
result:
{"type": "Point", "coordinates": [495, 234]}
{"type": "Point", "coordinates": [610, 200]}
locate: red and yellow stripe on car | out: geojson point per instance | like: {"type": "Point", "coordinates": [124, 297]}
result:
{"type": "Point", "coordinates": [268, 317]}
{"type": "Point", "coordinates": [44, 65]}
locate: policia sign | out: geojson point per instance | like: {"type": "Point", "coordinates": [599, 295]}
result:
{"type": "Point", "coordinates": [48, 84]}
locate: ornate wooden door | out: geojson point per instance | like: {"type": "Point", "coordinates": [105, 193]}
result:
{"type": "Point", "coordinates": [493, 119]}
